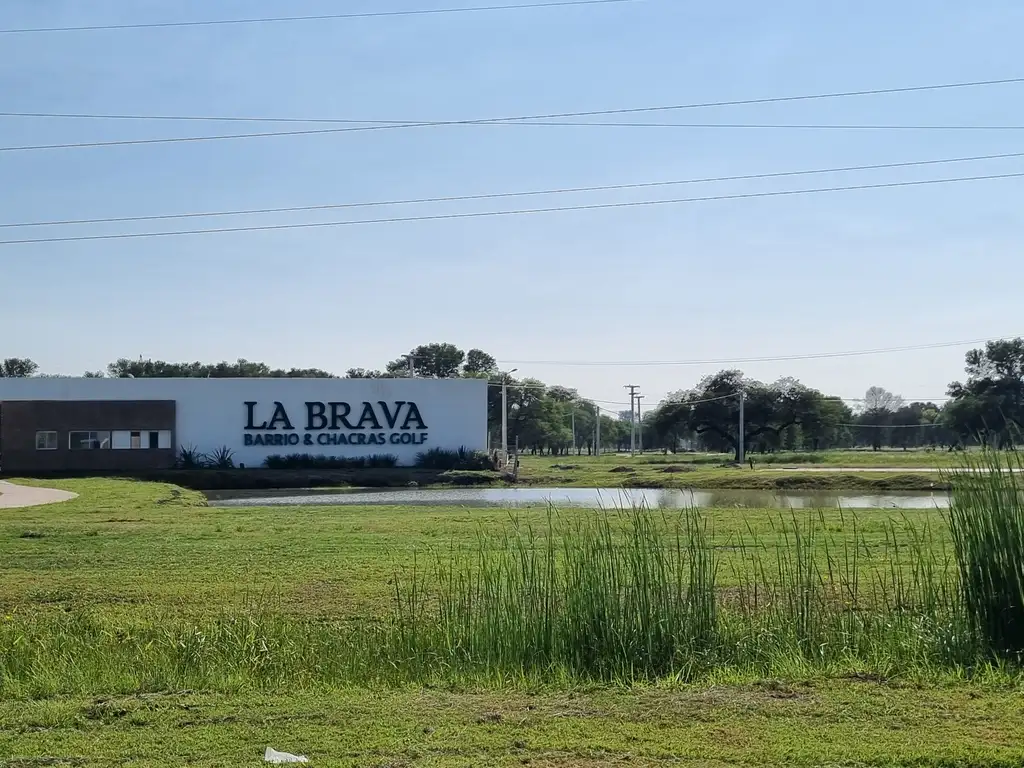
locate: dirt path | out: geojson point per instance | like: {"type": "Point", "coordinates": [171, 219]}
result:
{"type": "Point", "coordinates": [15, 496]}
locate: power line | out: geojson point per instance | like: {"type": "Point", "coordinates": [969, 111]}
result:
{"type": "Point", "coordinates": [494, 122]}
{"type": "Point", "coordinates": [519, 212]}
{"type": "Point", "coordinates": [828, 398]}
{"type": "Point", "coordinates": [321, 17]}
{"type": "Point", "coordinates": [771, 359]}
{"type": "Point", "coordinates": [544, 120]}
{"type": "Point", "coordinates": [496, 195]}
{"type": "Point", "coordinates": [547, 116]}
{"type": "Point", "coordinates": [546, 387]}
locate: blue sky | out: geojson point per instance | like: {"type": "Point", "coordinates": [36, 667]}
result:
{"type": "Point", "coordinates": [760, 277]}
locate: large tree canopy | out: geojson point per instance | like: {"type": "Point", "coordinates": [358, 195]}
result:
{"type": "Point", "coordinates": [159, 369]}
{"type": "Point", "coordinates": [989, 405]}
{"type": "Point", "coordinates": [18, 367]}
{"type": "Point", "coordinates": [712, 411]}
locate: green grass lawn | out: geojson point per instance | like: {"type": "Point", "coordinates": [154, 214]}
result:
{"type": "Point", "coordinates": [766, 724]}
{"type": "Point", "coordinates": [125, 547]}
{"type": "Point", "coordinates": [135, 551]}
{"type": "Point", "coordinates": [708, 473]}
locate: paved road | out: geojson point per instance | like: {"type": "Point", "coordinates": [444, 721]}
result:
{"type": "Point", "coordinates": [15, 496]}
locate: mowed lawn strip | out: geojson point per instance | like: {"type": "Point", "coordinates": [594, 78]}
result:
{"type": "Point", "coordinates": [711, 472]}
{"type": "Point", "coordinates": [131, 548]}
{"type": "Point", "coordinates": [768, 724]}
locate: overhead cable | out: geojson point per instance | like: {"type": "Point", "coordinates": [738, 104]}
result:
{"type": "Point", "coordinates": [542, 116]}
{"type": "Point", "coordinates": [326, 131]}
{"type": "Point", "coordinates": [497, 195]}
{"type": "Point", "coordinates": [318, 17]}
{"type": "Point", "coordinates": [518, 212]}
{"type": "Point", "coordinates": [767, 359]}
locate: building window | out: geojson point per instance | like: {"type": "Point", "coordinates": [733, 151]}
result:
{"type": "Point", "coordinates": [46, 441]}
{"type": "Point", "coordinates": [89, 441]}
{"type": "Point", "coordinates": [142, 439]}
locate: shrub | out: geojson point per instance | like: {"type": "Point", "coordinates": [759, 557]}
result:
{"type": "Point", "coordinates": [309, 461]}
{"type": "Point", "coordinates": [222, 458]}
{"type": "Point", "coordinates": [190, 457]}
{"type": "Point", "coordinates": [462, 459]}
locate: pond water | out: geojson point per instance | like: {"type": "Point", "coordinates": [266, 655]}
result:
{"type": "Point", "coordinates": [593, 498]}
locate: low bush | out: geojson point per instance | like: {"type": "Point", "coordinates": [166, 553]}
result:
{"type": "Point", "coordinates": [446, 460]}
{"type": "Point", "coordinates": [222, 458]}
{"type": "Point", "coordinates": [190, 457]}
{"type": "Point", "coordinates": [309, 461]}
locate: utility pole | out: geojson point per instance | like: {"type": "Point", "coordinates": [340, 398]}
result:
{"type": "Point", "coordinates": [504, 415]}
{"type": "Point", "coordinates": [740, 452]}
{"type": "Point", "coordinates": [574, 431]}
{"type": "Point", "coordinates": [412, 364]}
{"type": "Point", "coordinates": [639, 424]}
{"type": "Point", "coordinates": [597, 430]}
{"type": "Point", "coordinates": [632, 417]}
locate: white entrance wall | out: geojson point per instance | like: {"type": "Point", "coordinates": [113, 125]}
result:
{"type": "Point", "coordinates": [256, 418]}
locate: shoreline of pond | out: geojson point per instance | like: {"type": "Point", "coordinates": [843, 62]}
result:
{"type": "Point", "coordinates": [587, 498]}
{"type": "Point", "coordinates": [636, 476]}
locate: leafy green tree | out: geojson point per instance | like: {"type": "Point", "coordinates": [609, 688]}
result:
{"type": "Point", "coordinates": [989, 405]}
{"type": "Point", "coordinates": [479, 362]}
{"type": "Point", "coordinates": [879, 406]}
{"type": "Point", "coordinates": [18, 368]}
{"type": "Point", "coordinates": [827, 426]}
{"type": "Point", "coordinates": [159, 369]}
{"type": "Point", "coordinates": [711, 410]}
{"type": "Point", "coordinates": [436, 361]}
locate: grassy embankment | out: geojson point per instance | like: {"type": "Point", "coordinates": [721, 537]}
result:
{"type": "Point", "coordinates": [711, 472]}
{"type": "Point", "coordinates": [745, 637]}
{"type": "Point", "coordinates": [702, 471]}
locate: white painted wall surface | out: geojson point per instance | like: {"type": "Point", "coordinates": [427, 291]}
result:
{"type": "Point", "coordinates": [212, 413]}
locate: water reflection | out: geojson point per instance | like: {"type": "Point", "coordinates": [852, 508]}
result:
{"type": "Point", "coordinates": [594, 498]}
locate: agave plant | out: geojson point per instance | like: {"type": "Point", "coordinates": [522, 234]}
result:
{"type": "Point", "coordinates": [221, 458]}
{"type": "Point", "coordinates": [190, 457]}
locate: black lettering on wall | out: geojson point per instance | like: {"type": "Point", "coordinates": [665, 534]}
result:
{"type": "Point", "coordinates": [280, 417]}
{"type": "Point", "coordinates": [370, 416]}
{"type": "Point", "coordinates": [250, 409]}
{"type": "Point", "coordinates": [316, 416]}
{"type": "Point", "coordinates": [413, 414]}
{"type": "Point", "coordinates": [339, 414]}
{"type": "Point", "coordinates": [391, 418]}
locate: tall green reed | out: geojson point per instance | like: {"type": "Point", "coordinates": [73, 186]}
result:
{"type": "Point", "coordinates": [987, 522]}
{"type": "Point", "coordinates": [634, 594]}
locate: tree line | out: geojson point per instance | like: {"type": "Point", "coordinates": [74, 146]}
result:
{"type": "Point", "coordinates": [986, 408]}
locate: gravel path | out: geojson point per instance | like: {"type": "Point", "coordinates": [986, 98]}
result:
{"type": "Point", "coordinates": [15, 496]}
